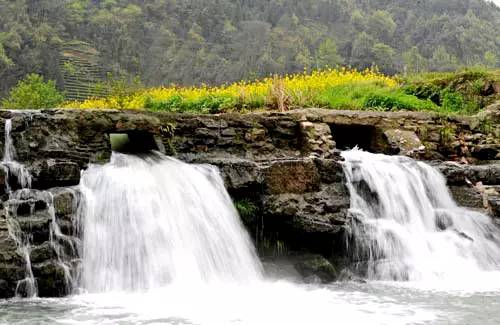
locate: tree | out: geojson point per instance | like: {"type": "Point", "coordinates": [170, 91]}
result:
{"type": "Point", "coordinates": [490, 59]}
{"type": "Point", "coordinates": [414, 61]}
{"type": "Point", "coordinates": [384, 57]}
{"type": "Point", "coordinates": [442, 60]}
{"type": "Point", "coordinates": [361, 54]}
{"type": "Point", "coordinates": [381, 25]}
{"type": "Point", "coordinates": [192, 42]}
{"type": "Point", "coordinates": [33, 93]}
{"type": "Point", "coordinates": [327, 55]}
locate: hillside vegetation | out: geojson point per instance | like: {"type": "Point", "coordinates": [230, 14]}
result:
{"type": "Point", "coordinates": [190, 42]}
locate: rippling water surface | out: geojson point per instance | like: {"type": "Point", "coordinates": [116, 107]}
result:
{"type": "Point", "coordinates": [266, 303]}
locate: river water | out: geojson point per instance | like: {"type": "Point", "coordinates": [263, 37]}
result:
{"type": "Point", "coordinates": [163, 244]}
{"type": "Point", "coordinates": [266, 303]}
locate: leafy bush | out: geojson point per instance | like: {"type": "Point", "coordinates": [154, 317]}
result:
{"type": "Point", "coordinates": [451, 101]}
{"type": "Point", "coordinates": [396, 101]}
{"type": "Point", "coordinates": [33, 93]}
{"type": "Point", "coordinates": [424, 91]}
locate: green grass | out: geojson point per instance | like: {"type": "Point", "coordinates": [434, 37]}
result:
{"type": "Point", "coordinates": [372, 97]}
{"type": "Point", "coordinates": [463, 92]}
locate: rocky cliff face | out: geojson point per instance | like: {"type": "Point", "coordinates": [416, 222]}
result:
{"type": "Point", "coordinates": [284, 167]}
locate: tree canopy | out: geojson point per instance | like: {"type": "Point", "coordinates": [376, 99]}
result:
{"type": "Point", "coordinates": [216, 41]}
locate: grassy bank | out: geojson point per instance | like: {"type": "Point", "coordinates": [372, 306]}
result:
{"type": "Point", "coordinates": [464, 92]}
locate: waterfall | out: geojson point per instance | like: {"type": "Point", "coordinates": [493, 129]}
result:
{"type": "Point", "coordinates": [27, 286]}
{"type": "Point", "coordinates": [12, 167]}
{"type": "Point", "coordinates": [64, 246]}
{"type": "Point", "coordinates": [152, 221]}
{"type": "Point", "coordinates": [406, 225]}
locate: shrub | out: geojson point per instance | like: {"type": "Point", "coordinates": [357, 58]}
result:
{"type": "Point", "coordinates": [451, 101]}
{"type": "Point", "coordinates": [33, 92]}
{"type": "Point", "coordinates": [424, 91]}
{"type": "Point", "coordinates": [396, 101]}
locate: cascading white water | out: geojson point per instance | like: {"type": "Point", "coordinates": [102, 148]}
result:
{"type": "Point", "coordinates": [26, 286]}
{"type": "Point", "coordinates": [11, 166]}
{"type": "Point", "coordinates": [406, 226]}
{"type": "Point", "coordinates": [64, 246]}
{"type": "Point", "coordinates": [152, 221]}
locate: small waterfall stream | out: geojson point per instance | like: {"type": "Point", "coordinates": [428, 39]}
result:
{"type": "Point", "coordinates": [152, 221]}
{"type": "Point", "coordinates": [13, 169]}
{"type": "Point", "coordinates": [10, 165]}
{"type": "Point", "coordinates": [17, 174]}
{"type": "Point", "coordinates": [407, 227]}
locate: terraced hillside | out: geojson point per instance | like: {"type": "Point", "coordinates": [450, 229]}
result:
{"type": "Point", "coordinates": [81, 72]}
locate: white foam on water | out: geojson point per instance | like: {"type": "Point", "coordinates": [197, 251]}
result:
{"type": "Point", "coordinates": [261, 303]}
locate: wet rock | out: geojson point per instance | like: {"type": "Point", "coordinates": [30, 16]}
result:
{"type": "Point", "coordinates": [494, 203]}
{"type": "Point", "coordinates": [464, 235]}
{"type": "Point", "coordinates": [65, 201]}
{"type": "Point", "coordinates": [238, 174]}
{"type": "Point", "coordinates": [317, 212]}
{"type": "Point", "coordinates": [51, 173]}
{"type": "Point", "coordinates": [3, 179]}
{"type": "Point", "coordinates": [457, 174]}
{"type": "Point", "coordinates": [314, 268]}
{"type": "Point", "coordinates": [467, 196]}
{"type": "Point", "coordinates": [329, 170]}
{"type": "Point", "coordinates": [42, 253]}
{"type": "Point", "coordinates": [51, 279]}
{"type": "Point", "coordinates": [364, 190]}
{"type": "Point", "coordinates": [23, 209]}
{"type": "Point", "coordinates": [37, 226]}
{"type": "Point", "coordinates": [443, 221]}
{"type": "Point", "coordinates": [11, 263]}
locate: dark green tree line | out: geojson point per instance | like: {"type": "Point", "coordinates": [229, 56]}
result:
{"type": "Point", "coordinates": [217, 41]}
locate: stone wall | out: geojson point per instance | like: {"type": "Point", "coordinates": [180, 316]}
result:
{"type": "Point", "coordinates": [286, 165]}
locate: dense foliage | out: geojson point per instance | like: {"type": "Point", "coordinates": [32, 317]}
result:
{"type": "Point", "coordinates": [33, 93]}
{"type": "Point", "coordinates": [216, 41]}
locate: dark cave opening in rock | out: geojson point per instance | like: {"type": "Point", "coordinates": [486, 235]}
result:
{"type": "Point", "coordinates": [134, 142]}
{"type": "Point", "coordinates": [348, 136]}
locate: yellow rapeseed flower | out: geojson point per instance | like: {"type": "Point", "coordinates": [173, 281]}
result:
{"type": "Point", "coordinates": [298, 85]}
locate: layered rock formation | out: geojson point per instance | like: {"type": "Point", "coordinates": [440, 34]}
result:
{"type": "Point", "coordinates": [286, 166]}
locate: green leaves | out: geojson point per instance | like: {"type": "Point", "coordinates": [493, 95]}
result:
{"type": "Point", "coordinates": [33, 93]}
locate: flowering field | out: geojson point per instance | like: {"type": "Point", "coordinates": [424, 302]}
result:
{"type": "Point", "coordinates": [332, 88]}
